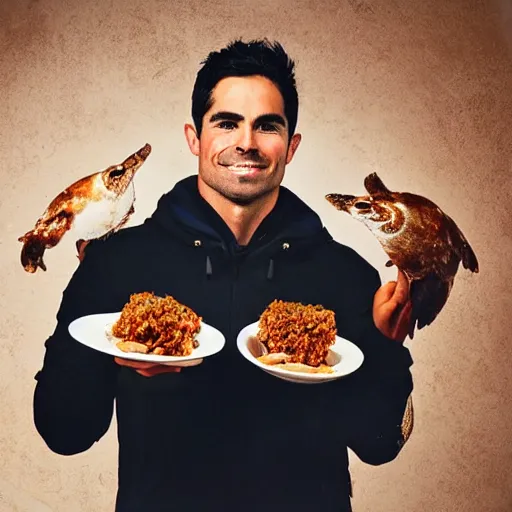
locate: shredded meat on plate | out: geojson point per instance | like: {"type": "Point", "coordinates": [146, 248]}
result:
{"type": "Point", "coordinates": [304, 332]}
{"type": "Point", "coordinates": [161, 324]}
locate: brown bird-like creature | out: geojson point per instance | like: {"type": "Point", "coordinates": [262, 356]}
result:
{"type": "Point", "coordinates": [419, 238]}
{"type": "Point", "coordinates": [92, 207]}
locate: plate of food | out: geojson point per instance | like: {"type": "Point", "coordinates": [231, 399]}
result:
{"type": "Point", "coordinates": [299, 343]}
{"type": "Point", "coordinates": [152, 329]}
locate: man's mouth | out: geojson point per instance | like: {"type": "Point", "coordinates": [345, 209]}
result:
{"type": "Point", "coordinates": [246, 167]}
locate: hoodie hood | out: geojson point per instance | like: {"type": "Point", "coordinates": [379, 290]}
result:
{"type": "Point", "coordinates": [287, 229]}
{"type": "Point", "coordinates": [184, 213]}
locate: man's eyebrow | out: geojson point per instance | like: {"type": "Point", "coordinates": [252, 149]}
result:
{"type": "Point", "coordinates": [271, 118]}
{"type": "Point", "coordinates": [232, 116]}
{"type": "Point", "coordinates": [226, 116]}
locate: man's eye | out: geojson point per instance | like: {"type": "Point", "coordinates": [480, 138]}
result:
{"type": "Point", "coordinates": [227, 125]}
{"type": "Point", "coordinates": [268, 127]}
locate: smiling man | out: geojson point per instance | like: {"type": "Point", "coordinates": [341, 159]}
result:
{"type": "Point", "coordinates": [243, 149]}
{"type": "Point", "coordinates": [224, 436]}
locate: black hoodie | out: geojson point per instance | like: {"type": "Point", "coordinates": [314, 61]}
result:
{"type": "Point", "coordinates": [225, 436]}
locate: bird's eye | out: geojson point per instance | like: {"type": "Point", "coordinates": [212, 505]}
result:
{"type": "Point", "coordinates": [116, 173]}
{"type": "Point", "coordinates": [363, 205]}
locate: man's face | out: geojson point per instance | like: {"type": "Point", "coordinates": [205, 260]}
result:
{"type": "Point", "coordinates": [243, 148]}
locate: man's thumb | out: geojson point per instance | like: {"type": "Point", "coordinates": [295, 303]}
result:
{"type": "Point", "coordinates": [384, 293]}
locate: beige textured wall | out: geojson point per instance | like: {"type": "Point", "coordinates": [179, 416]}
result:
{"type": "Point", "coordinates": [418, 90]}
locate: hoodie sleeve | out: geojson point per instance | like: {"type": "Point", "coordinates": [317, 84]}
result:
{"type": "Point", "coordinates": [378, 420]}
{"type": "Point", "coordinates": [73, 398]}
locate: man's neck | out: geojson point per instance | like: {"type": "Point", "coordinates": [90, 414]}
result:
{"type": "Point", "coordinates": [242, 220]}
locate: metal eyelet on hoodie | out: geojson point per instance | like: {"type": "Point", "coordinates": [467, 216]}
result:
{"type": "Point", "coordinates": [197, 243]}
{"type": "Point", "coordinates": [286, 246]}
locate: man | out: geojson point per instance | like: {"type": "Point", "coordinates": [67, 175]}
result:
{"type": "Point", "coordinates": [225, 436]}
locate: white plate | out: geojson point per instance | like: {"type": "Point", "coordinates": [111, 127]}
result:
{"type": "Point", "coordinates": [91, 331]}
{"type": "Point", "coordinates": [350, 359]}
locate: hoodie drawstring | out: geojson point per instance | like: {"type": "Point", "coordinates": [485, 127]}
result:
{"type": "Point", "coordinates": [209, 270]}
{"type": "Point", "coordinates": [271, 270]}
{"type": "Point", "coordinates": [271, 265]}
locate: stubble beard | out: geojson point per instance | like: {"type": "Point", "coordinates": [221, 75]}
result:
{"type": "Point", "coordinates": [241, 198]}
{"type": "Point", "coordinates": [243, 191]}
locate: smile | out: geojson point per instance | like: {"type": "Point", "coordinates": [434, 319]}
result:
{"type": "Point", "coordinates": [246, 168]}
{"type": "Point", "coordinates": [247, 165]}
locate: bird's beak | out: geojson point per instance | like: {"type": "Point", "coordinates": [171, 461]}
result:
{"type": "Point", "coordinates": [133, 162]}
{"type": "Point", "coordinates": [340, 201]}
{"type": "Point", "coordinates": [131, 165]}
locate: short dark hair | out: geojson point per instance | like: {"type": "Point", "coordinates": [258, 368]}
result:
{"type": "Point", "coordinates": [257, 57]}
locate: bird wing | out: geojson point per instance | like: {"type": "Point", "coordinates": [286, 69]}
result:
{"type": "Point", "coordinates": [428, 297]}
{"type": "Point", "coordinates": [461, 246]}
{"type": "Point", "coordinates": [73, 199]}
{"type": "Point", "coordinates": [59, 214]}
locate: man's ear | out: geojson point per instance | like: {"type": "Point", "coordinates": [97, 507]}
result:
{"type": "Point", "coordinates": [292, 147]}
{"type": "Point", "coordinates": [192, 139]}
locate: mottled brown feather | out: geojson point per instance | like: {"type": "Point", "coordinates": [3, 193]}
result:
{"type": "Point", "coordinates": [58, 217]}
{"type": "Point", "coordinates": [419, 238]}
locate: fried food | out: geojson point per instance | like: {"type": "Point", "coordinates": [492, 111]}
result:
{"type": "Point", "coordinates": [282, 361]}
{"type": "Point", "coordinates": [302, 334]}
{"type": "Point", "coordinates": [132, 346]}
{"type": "Point", "coordinates": [304, 368]}
{"type": "Point", "coordinates": [156, 325]}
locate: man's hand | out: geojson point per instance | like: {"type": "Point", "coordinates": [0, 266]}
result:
{"type": "Point", "coordinates": [80, 247]}
{"type": "Point", "coordinates": [147, 369]}
{"type": "Point", "coordinates": [392, 308]}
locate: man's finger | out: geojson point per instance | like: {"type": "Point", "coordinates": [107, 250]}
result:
{"type": "Point", "coordinates": [80, 247]}
{"type": "Point", "coordinates": [402, 323]}
{"type": "Point", "coordinates": [141, 365]}
{"type": "Point", "coordinates": [147, 369]}
{"type": "Point", "coordinates": [384, 293]}
{"type": "Point", "coordinates": [157, 370]}
{"type": "Point", "coordinates": [401, 291]}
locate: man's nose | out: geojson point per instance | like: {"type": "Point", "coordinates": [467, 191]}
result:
{"type": "Point", "coordinates": [246, 141]}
